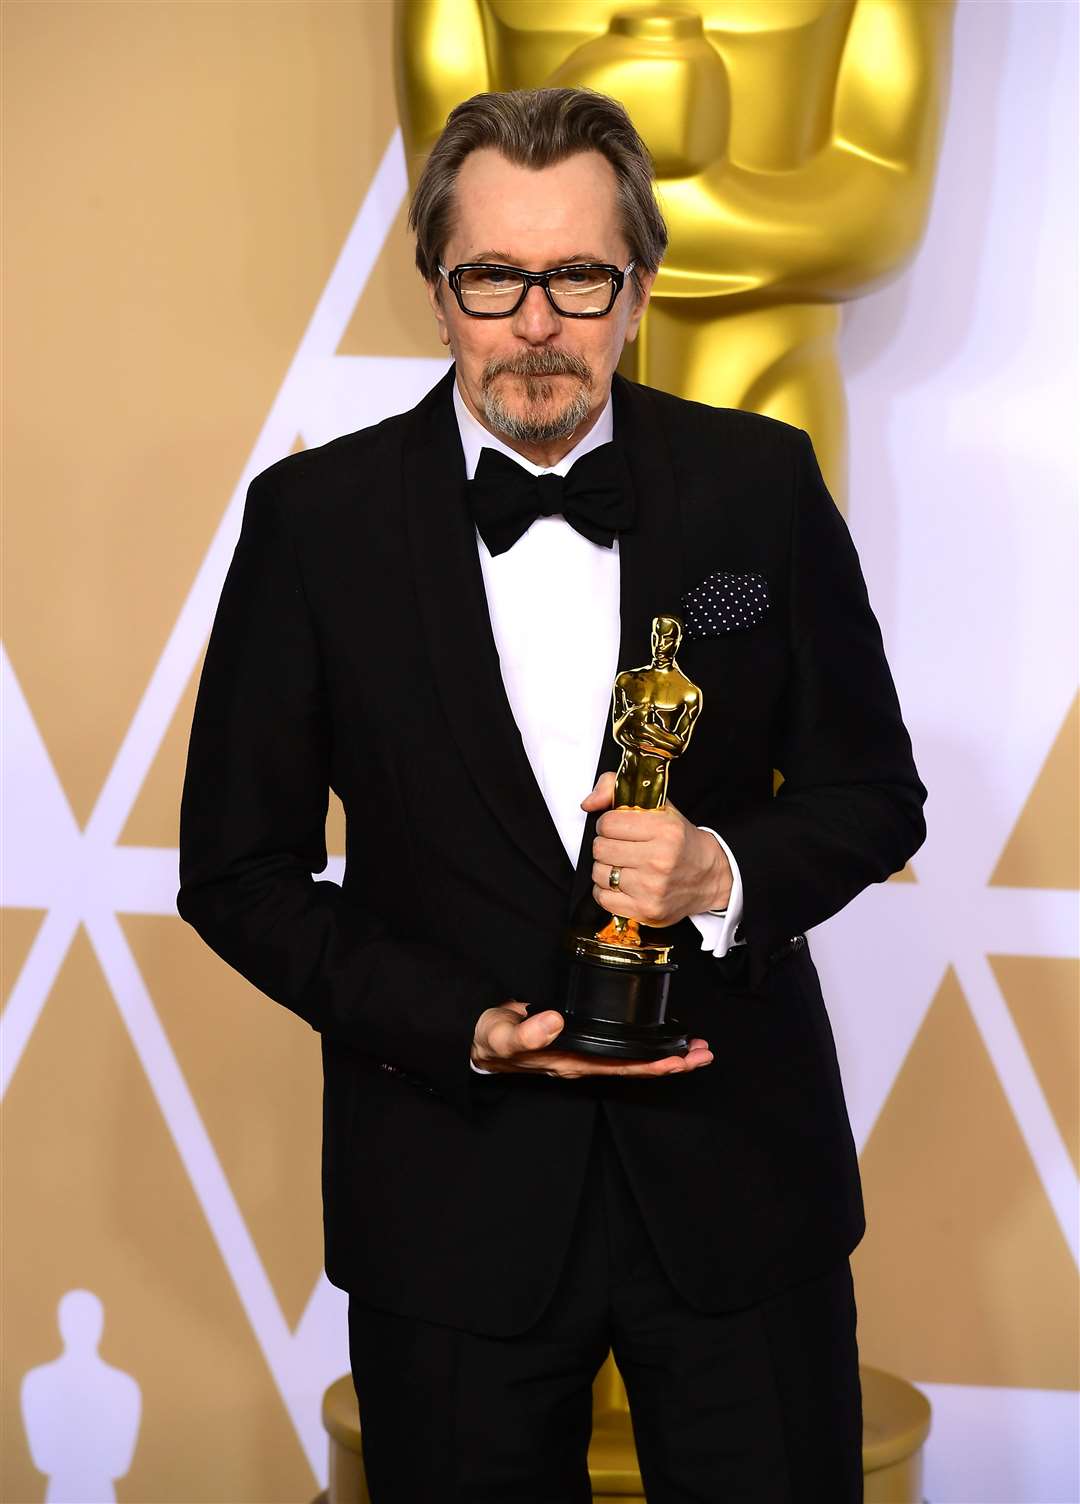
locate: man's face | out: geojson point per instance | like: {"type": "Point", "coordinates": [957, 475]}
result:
{"type": "Point", "coordinates": [535, 376]}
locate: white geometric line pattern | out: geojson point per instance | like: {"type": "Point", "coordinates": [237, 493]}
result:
{"type": "Point", "coordinates": [1011, 1061]}
{"type": "Point", "coordinates": [990, 921]}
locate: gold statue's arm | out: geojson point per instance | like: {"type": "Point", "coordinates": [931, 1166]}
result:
{"type": "Point", "coordinates": [856, 209]}
{"type": "Point", "coordinates": [632, 728]}
{"type": "Point", "coordinates": [439, 60]}
{"type": "Point", "coordinates": [685, 722]}
{"type": "Point", "coordinates": [658, 738]}
{"type": "Point", "coordinates": [676, 737]}
{"type": "Point", "coordinates": [626, 721]}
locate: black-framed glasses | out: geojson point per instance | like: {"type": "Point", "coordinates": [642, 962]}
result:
{"type": "Point", "coordinates": [582, 290]}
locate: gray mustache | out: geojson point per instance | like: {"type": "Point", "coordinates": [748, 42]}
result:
{"type": "Point", "coordinates": [539, 363]}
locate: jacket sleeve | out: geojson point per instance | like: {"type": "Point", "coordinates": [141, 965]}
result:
{"type": "Point", "coordinates": [849, 810]}
{"type": "Point", "coordinates": [252, 833]}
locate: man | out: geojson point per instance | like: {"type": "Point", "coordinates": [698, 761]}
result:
{"type": "Point", "coordinates": [435, 637]}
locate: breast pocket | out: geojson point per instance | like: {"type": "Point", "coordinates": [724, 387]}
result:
{"type": "Point", "coordinates": [734, 649]}
{"type": "Point", "coordinates": [725, 602]}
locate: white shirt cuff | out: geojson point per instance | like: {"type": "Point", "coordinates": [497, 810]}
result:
{"type": "Point", "coordinates": [479, 1069]}
{"type": "Point", "coordinates": [718, 926]}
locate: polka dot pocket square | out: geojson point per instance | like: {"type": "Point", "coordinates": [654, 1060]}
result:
{"type": "Point", "coordinates": [725, 602]}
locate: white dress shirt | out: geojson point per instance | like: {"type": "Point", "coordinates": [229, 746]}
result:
{"type": "Point", "coordinates": [547, 595]}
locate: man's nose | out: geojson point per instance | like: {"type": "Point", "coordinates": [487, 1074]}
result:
{"type": "Point", "coordinates": [536, 320]}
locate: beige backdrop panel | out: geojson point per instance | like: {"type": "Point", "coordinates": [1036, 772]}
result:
{"type": "Point", "coordinates": [179, 179]}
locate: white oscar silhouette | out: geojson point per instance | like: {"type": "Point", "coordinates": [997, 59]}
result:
{"type": "Point", "coordinates": [81, 1415]}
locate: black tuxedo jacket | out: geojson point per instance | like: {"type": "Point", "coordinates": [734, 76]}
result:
{"type": "Point", "coordinates": [352, 650]}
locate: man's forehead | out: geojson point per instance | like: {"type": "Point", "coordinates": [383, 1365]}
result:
{"type": "Point", "coordinates": [514, 214]}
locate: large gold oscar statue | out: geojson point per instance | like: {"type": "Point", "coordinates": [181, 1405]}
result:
{"type": "Point", "coordinates": [795, 143]}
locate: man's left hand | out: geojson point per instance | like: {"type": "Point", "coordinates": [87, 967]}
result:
{"type": "Point", "coordinates": [669, 868]}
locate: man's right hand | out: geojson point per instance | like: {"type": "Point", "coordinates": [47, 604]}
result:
{"type": "Point", "coordinates": [508, 1039]}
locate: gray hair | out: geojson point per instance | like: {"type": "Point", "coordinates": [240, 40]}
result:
{"type": "Point", "coordinates": [537, 128]}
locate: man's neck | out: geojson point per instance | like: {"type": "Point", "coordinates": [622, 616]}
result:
{"type": "Point", "coordinates": [545, 455]}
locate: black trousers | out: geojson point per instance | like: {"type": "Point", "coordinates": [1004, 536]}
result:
{"type": "Point", "coordinates": [758, 1405]}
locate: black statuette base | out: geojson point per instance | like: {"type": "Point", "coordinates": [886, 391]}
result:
{"type": "Point", "coordinates": [620, 1012]}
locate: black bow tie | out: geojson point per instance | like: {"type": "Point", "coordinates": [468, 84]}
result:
{"type": "Point", "coordinates": [594, 496]}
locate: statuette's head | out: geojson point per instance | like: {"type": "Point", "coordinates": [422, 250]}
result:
{"type": "Point", "coordinates": [666, 636]}
{"type": "Point", "coordinates": [538, 180]}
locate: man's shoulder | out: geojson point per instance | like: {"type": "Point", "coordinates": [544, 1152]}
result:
{"type": "Point", "coordinates": [366, 464]}
{"type": "Point", "coordinates": [338, 461]}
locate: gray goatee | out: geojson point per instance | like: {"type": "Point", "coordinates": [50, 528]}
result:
{"type": "Point", "coordinates": [536, 425]}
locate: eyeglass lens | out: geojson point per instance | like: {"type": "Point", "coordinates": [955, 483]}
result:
{"type": "Point", "coordinates": [497, 289]}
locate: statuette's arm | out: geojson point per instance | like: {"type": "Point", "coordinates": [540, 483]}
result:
{"type": "Point", "coordinates": [684, 721]}
{"type": "Point", "coordinates": [626, 719]}
{"type": "Point", "coordinates": [635, 727]}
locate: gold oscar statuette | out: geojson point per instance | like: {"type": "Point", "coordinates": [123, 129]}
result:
{"type": "Point", "coordinates": [616, 1002]}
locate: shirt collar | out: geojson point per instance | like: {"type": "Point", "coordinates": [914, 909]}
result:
{"type": "Point", "coordinates": [474, 437]}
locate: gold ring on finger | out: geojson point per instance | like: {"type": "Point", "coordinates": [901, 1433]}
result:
{"type": "Point", "coordinates": [614, 877]}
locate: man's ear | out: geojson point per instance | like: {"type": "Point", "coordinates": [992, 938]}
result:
{"type": "Point", "coordinates": [434, 292]}
{"type": "Point", "coordinates": [642, 287]}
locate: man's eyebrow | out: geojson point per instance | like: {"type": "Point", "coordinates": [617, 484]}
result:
{"type": "Point", "coordinates": [504, 258]}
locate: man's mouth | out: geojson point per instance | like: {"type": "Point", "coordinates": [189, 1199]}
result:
{"type": "Point", "coordinates": [538, 366]}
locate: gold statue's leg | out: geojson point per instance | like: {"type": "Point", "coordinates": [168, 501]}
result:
{"type": "Point", "coordinates": [620, 931]}
{"type": "Point", "coordinates": [641, 782]}
{"type": "Point", "coordinates": [780, 361]}
{"type": "Point", "coordinates": [625, 788]}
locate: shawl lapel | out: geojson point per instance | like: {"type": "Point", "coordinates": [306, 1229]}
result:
{"type": "Point", "coordinates": [454, 614]}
